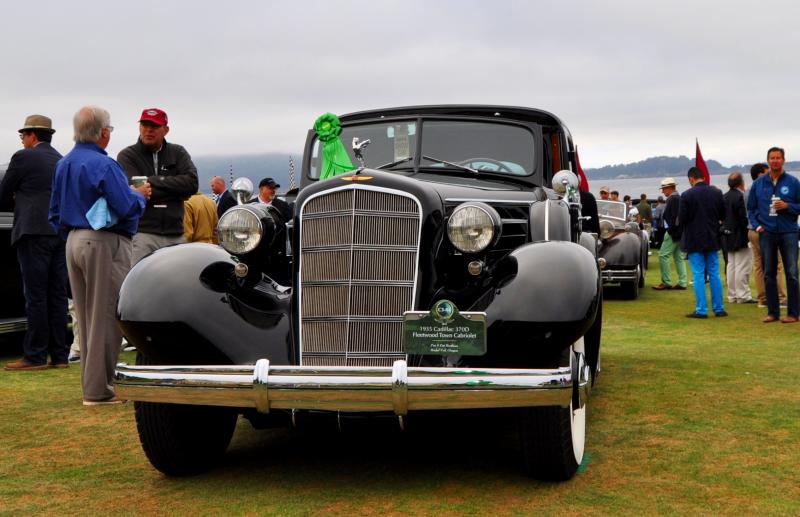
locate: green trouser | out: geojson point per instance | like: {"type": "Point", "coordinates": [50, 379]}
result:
{"type": "Point", "coordinates": [671, 250]}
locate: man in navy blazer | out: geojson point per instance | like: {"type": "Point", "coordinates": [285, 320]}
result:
{"type": "Point", "coordinates": [42, 259]}
{"type": "Point", "coordinates": [224, 198]}
{"type": "Point", "coordinates": [701, 212]}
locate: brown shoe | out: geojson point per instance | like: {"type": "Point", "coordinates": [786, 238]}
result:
{"type": "Point", "coordinates": [22, 364]}
{"type": "Point", "coordinates": [769, 319]}
{"type": "Point", "coordinates": [678, 287]}
{"type": "Point", "coordinates": [789, 319]}
{"type": "Point", "coordinates": [59, 365]}
{"type": "Point", "coordinates": [661, 287]}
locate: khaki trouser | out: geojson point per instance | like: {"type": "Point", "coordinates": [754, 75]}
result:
{"type": "Point", "coordinates": [758, 271]}
{"type": "Point", "coordinates": [97, 262]}
{"type": "Point", "coordinates": [740, 263]}
{"type": "Point", "coordinates": [146, 243]}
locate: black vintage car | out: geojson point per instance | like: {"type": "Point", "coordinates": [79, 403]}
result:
{"type": "Point", "coordinates": [443, 274]}
{"type": "Point", "coordinates": [12, 301]}
{"type": "Point", "coordinates": [624, 248]}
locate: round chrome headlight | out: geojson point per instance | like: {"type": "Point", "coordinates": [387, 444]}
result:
{"type": "Point", "coordinates": [606, 229]}
{"type": "Point", "coordinates": [239, 230]}
{"type": "Point", "coordinates": [472, 227]}
{"type": "Point", "coordinates": [565, 180]}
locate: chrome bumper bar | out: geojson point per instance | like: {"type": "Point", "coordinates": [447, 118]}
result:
{"type": "Point", "coordinates": [9, 325]}
{"type": "Point", "coordinates": [397, 388]}
{"type": "Point", "coordinates": [619, 275]}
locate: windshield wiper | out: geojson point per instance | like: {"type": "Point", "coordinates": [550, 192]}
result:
{"type": "Point", "coordinates": [396, 162]}
{"type": "Point", "coordinates": [456, 165]}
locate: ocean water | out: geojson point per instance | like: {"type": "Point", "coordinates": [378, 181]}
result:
{"type": "Point", "coordinates": [635, 187]}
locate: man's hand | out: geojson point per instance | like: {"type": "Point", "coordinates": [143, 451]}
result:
{"type": "Point", "coordinates": [145, 190]}
{"type": "Point", "coordinates": [760, 229]}
{"type": "Point", "coordinates": [780, 204]}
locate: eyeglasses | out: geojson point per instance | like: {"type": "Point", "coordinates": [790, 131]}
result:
{"type": "Point", "coordinates": [110, 128]}
{"type": "Point", "coordinates": [22, 136]}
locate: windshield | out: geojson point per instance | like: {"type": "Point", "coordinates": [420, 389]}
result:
{"type": "Point", "coordinates": [446, 144]}
{"type": "Point", "coordinates": [611, 209]}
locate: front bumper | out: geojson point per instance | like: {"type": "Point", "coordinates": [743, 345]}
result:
{"type": "Point", "coordinates": [619, 275]}
{"type": "Point", "coordinates": [397, 388]}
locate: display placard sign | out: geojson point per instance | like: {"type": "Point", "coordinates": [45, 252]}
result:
{"type": "Point", "coordinates": [444, 330]}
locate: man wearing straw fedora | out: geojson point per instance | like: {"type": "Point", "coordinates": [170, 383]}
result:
{"type": "Point", "coordinates": [42, 260]}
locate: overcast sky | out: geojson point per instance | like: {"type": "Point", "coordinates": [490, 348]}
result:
{"type": "Point", "coordinates": [631, 79]}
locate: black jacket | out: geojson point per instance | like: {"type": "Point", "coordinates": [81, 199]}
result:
{"type": "Point", "coordinates": [283, 207]}
{"type": "Point", "coordinates": [224, 202]}
{"type": "Point", "coordinates": [700, 215]}
{"type": "Point", "coordinates": [734, 235]}
{"type": "Point", "coordinates": [26, 189]}
{"type": "Point", "coordinates": [173, 183]}
{"type": "Point", "coordinates": [589, 209]}
{"type": "Point", "coordinates": [670, 216]}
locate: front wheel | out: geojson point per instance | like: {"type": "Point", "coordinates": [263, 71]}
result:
{"type": "Point", "coordinates": [183, 440]}
{"type": "Point", "coordinates": [553, 439]}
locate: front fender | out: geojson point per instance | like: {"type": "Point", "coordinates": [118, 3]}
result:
{"type": "Point", "coordinates": [181, 305]}
{"type": "Point", "coordinates": [623, 250]}
{"type": "Point", "coordinates": [546, 297]}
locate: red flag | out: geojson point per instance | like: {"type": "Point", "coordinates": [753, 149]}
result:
{"type": "Point", "coordinates": [584, 184]}
{"type": "Point", "coordinates": [700, 163]}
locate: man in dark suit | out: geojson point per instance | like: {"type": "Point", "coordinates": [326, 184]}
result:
{"type": "Point", "coordinates": [734, 241]}
{"type": "Point", "coordinates": [224, 198]}
{"type": "Point", "coordinates": [41, 253]}
{"type": "Point", "coordinates": [700, 214]}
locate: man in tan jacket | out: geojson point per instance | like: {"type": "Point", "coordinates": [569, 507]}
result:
{"type": "Point", "coordinates": [200, 219]}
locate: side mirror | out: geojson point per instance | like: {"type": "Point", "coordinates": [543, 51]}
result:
{"type": "Point", "coordinates": [242, 189]}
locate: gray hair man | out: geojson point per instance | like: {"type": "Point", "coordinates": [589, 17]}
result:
{"type": "Point", "coordinates": [95, 210]}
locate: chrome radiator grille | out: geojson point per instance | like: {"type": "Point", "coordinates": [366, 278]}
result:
{"type": "Point", "coordinates": [358, 264]}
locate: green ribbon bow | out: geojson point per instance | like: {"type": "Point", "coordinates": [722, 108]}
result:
{"type": "Point", "coordinates": [334, 156]}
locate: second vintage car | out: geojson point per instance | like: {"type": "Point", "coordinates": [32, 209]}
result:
{"type": "Point", "coordinates": [624, 248]}
{"type": "Point", "coordinates": [444, 273]}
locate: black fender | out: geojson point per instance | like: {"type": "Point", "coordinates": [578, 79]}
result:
{"type": "Point", "coordinates": [183, 305]}
{"type": "Point", "coordinates": [546, 297]}
{"type": "Point", "coordinates": [589, 241]}
{"type": "Point", "coordinates": [624, 250]}
{"type": "Point", "coordinates": [550, 220]}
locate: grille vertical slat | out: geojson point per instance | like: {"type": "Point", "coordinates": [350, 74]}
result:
{"type": "Point", "coordinates": [358, 255]}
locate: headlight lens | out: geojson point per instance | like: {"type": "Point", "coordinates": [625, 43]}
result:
{"type": "Point", "coordinates": [239, 230]}
{"type": "Point", "coordinates": [606, 229]}
{"type": "Point", "coordinates": [473, 227]}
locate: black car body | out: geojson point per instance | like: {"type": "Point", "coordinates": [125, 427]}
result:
{"type": "Point", "coordinates": [315, 317]}
{"type": "Point", "coordinates": [624, 248]}
{"type": "Point", "coordinates": [12, 301]}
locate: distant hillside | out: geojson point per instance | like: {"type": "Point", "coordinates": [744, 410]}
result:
{"type": "Point", "coordinates": [253, 166]}
{"type": "Point", "coordinates": [660, 166]}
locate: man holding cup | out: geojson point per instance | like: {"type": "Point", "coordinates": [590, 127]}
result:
{"type": "Point", "coordinates": [773, 206]}
{"type": "Point", "coordinates": [169, 170]}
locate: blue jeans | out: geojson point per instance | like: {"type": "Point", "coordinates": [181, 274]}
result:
{"type": "Point", "coordinates": [771, 244]}
{"type": "Point", "coordinates": [703, 262]}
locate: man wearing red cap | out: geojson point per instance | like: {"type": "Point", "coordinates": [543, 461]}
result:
{"type": "Point", "coordinates": [172, 177]}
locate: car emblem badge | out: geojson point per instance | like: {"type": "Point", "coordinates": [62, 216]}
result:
{"type": "Point", "coordinates": [356, 177]}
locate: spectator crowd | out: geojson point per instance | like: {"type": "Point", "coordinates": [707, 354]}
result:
{"type": "Point", "coordinates": [755, 231]}
{"type": "Point", "coordinates": [83, 220]}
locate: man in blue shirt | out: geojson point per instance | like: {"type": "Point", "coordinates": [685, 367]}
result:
{"type": "Point", "coordinates": [772, 208]}
{"type": "Point", "coordinates": [93, 207]}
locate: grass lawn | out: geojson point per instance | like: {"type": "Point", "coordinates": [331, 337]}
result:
{"type": "Point", "coordinates": [687, 417]}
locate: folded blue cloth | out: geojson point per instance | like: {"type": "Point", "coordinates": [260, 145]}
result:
{"type": "Point", "coordinates": [100, 215]}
